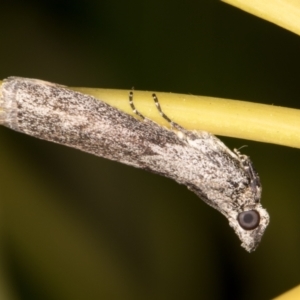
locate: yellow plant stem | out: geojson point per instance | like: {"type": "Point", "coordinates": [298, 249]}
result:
{"type": "Point", "coordinates": [284, 13]}
{"type": "Point", "coordinates": [292, 294]}
{"type": "Point", "coordinates": [240, 119]}
{"type": "Point", "coordinates": [233, 118]}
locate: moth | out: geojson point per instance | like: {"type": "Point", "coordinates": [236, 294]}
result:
{"type": "Point", "coordinates": [224, 179]}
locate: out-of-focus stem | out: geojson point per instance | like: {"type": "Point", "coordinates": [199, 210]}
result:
{"type": "Point", "coordinates": [284, 13]}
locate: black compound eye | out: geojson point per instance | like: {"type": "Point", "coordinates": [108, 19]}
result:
{"type": "Point", "coordinates": [249, 220]}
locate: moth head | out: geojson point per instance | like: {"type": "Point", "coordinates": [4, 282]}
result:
{"type": "Point", "coordinates": [250, 225]}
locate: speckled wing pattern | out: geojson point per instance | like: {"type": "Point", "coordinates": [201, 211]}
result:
{"type": "Point", "coordinates": [224, 179]}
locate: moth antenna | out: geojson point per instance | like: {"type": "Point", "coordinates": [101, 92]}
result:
{"type": "Point", "coordinates": [172, 123]}
{"type": "Point", "coordinates": [133, 106]}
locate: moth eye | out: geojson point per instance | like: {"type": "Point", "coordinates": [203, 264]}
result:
{"type": "Point", "coordinates": [249, 220]}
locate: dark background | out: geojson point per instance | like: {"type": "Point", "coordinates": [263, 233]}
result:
{"type": "Point", "coordinates": [75, 226]}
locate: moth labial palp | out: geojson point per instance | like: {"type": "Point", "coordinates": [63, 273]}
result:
{"type": "Point", "coordinates": [224, 179]}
